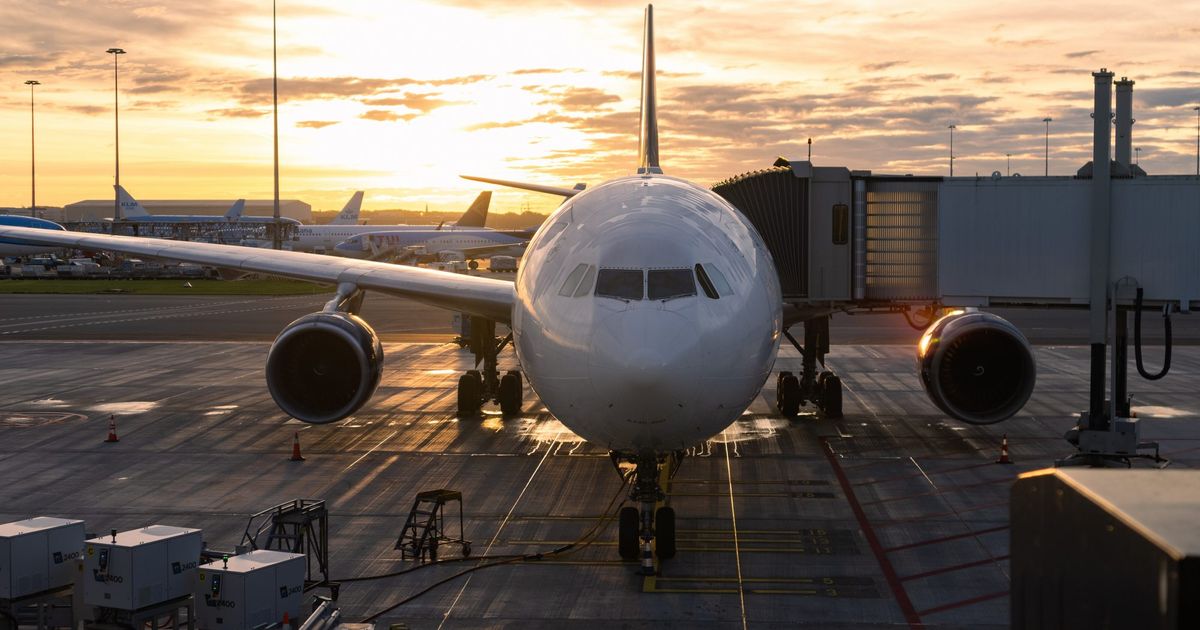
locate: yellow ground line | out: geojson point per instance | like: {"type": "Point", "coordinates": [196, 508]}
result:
{"type": "Point", "coordinates": [773, 495]}
{"type": "Point", "coordinates": [760, 580]}
{"type": "Point", "coordinates": [783, 591]}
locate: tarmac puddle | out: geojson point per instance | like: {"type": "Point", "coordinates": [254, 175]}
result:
{"type": "Point", "coordinates": [126, 408]}
{"type": "Point", "coordinates": [221, 410]}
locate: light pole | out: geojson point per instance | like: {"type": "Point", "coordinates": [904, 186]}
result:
{"type": "Point", "coordinates": [32, 154]}
{"type": "Point", "coordinates": [1047, 120]}
{"type": "Point", "coordinates": [1009, 156]}
{"type": "Point", "coordinates": [276, 239]}
{"type": "Point", "coordinates": [1197, 140]}
{"type": "Point", "coordinates": [952, 128]}
{"type": "Point", "coordinates": [116, 52]}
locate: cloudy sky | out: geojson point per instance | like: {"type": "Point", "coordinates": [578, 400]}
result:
{"type": "Point", "coordinates": [398, 98]}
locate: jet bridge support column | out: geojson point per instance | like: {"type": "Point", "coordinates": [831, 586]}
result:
{"type": "Point", "coordinates": [1101, 234]}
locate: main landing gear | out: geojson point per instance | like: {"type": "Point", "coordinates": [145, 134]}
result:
{"type": "Point", "coordinates": [647, 530]}
{"type": "Point", "coordinates": [477, 387]}
{"type": "Point", "coordinates": [823, 389]}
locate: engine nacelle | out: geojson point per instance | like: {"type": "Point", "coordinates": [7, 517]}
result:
{"type": "Point", "coordinates": [324, 366]}
{"type": "Point", "coordinates": [976, 366]}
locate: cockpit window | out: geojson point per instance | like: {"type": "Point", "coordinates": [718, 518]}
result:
{"type": "Point", "coordinates": [666, 284]}
{"type": "Point", "coordinates": [712, 281]}
{"type": "Point", "coordinates": [572, 281]}
{"type": "Point", "coordinates": [622, 284]}
{"type": "Point", "coordinates": [585, 285]}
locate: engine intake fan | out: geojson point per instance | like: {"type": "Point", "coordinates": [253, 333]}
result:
{"type": "Point", "coordinates": [976, 366]}
{"type": "Point", "coordinates": [324, 366]}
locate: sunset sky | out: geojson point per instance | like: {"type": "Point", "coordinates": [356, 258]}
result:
{"type": "Point", "coordinates": [399, 97]}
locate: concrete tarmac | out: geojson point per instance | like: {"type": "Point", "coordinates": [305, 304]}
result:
{"type": "Point", "coordinates": [894, 515]}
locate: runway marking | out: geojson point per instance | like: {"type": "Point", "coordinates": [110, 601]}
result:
{"type": "Point", "coordinates": [934, 541]}
{"type": "Point", "coordinates": [737, 552]}
{"type": "Point", "coordinates": [952, 568]}
{"type": "Point", "coordinates": [496, 536]}
{"type": "Point", "coordinates": [965, 602]}
{"type": "Point", "coordinates": [360, 457]}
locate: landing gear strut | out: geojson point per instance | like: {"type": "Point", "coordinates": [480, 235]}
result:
{"type": "Point", "coordinates": [823, 389]}
{"type": "Point", "coordinates": [647, 530]}
{"type": "Point", "coordinates": [477, 387]}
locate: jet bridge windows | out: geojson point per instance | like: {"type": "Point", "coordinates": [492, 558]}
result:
{"type": "Point", "coordinates": [667, 284]}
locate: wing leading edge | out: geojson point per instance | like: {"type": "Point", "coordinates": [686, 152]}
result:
{"type": "Point", "coordinates": [486, 297]}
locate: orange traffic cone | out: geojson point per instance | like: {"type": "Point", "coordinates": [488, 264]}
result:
{"type": "Point", "coordinates": [1004, 451]}
{"type": "Point", "coordinates": [296, 456]}
{"type": "Point", "coordinates": [112, 430]}
{"type": "Point", "coordinates": [287, 620]}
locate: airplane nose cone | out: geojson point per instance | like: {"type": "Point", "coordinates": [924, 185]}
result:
{"type": "Point", "coordinates": [640, 349]}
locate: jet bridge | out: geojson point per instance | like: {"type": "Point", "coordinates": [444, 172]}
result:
{"type": "Point", "coordinates": [848, 239]}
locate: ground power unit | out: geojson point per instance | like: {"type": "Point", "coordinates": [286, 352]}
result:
{"type": "Point", "coordinates": [250, 590]}
{"type": "Point", "coordinates": [141, 567]}
{"type": "Point", "coordinates": [37, 555]}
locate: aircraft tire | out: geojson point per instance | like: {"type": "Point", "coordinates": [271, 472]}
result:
{"type": "Point", "coordinates": [627, 533]}
{"type": "Point", "coordinates": [511, 394]}
{"type": "Point", "coordinates": [831, 395]}
{"type": "Point", "coordinates": [664, 533]}
{"type": "Point", "coordinates": [470, 393]}
{"type": "Point", "coordinates": [789, 395]}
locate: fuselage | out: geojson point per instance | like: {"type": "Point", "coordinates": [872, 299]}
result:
{"type": "Point", "coordinates": [324, 238]}
{"type": "Point", "coordinates": [11, 247]}
{"type": "Point", "coordinates": [648, 314]}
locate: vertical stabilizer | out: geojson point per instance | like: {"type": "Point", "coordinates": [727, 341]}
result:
{"type": "Point", "coordinates": [476, 215]}
{"type": "Point", "coordinates": [130, 208]}
{"type": "Point", "coordinates": [235, 211]}
{"type": "Point", "coordinates": [648, 137]}
{"type": "Point", "coordinates": [349, 213]}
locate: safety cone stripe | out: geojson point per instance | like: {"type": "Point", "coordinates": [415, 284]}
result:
{"type": "Point", "coordinates": [296, 456]}
{"type": "Point", "coordinates": [112, 430]}
{"type": "Point", "coordinates": [1004, 459]}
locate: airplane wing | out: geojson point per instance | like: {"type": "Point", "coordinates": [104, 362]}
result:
{"type": "Point", "coordinates": [549, 190]}
{"type": "Point", "coordinates": [479, 296]}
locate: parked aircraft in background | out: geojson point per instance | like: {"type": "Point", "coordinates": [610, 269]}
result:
{"type": "Point", "coordinates": [647, 316]}
{"type": "Point", "coordinates": [446, 243]}
{"type": "Point", "coordinates": [323, 239]}
{"type": "Point", "coordinates": [133, 211]}
{"type": "Point", "coordinates": [349, 213]}
{"type": "Point", "coordinates": [18, 247]}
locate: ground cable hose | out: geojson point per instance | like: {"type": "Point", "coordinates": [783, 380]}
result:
{"type": "Point", "coordinates": [1137, 340]}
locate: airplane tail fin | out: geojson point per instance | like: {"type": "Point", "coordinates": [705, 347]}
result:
{"type": "Point", "coordinates": [476, 215]}
{"type": "Point", "coordinates": [235, 211]}
{"type": "Point", "coordinates": [648, 136]}
{"type": "Point", "coordinates": [349, 213]}
{"type": "Point", "coordinates": [130, 208]}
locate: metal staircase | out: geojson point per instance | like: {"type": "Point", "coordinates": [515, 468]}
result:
{"type": "Point", "coordinates": [425, 529]}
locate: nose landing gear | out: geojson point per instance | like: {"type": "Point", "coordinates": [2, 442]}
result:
{"type": "Point", "coordinates": [647, 530]}
{"type": "Point", "coordinates": [477, 387]}
{"type": "Point", "coordinates": [823, 389]}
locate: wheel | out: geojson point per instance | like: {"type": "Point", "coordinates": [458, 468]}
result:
{"type": "Point", "coordinates": [788, 396]}
{"type": "Point", "coordinates": [474, 264]}
{"type": "Point", "coordinates": [664, 533]}
{"type": "Point", "coordinates": [627, 533]}
{"type": "Point", "coordinates": [470, 394]}
{"type": "Point", "coordinates": [466, 548]}
{"type": "Point", "coordinates": [831, 396]}
{"type": "Point", "coordinates": [511, 394]}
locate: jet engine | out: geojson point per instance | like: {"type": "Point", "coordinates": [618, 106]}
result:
{"type": "Point", "coordinates": [324, 366]}
{"type": "Point", "coordinates": [976, 366]}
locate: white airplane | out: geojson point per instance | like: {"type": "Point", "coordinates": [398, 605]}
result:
{"type": "Point", "coordinates": [647, 317]}
{"type": "Point", "coordinates": [324, 239]}
{"type": "Point", "coordinates": [443, 243]}
{"type": "Point", "coordinates": [133, 211]}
